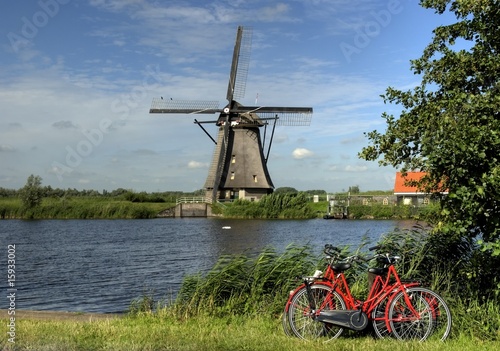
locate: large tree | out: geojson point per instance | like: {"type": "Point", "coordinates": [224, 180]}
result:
{"type": "Point", "coordinates": [449, 126]}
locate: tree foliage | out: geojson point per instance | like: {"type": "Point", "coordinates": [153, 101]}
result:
{"type": "Point", "coordinates": [354, 189]}
{"type": "Point", "coordinates": [449, 126]}
{"type": "Point", "coordinates": [285, 190]}
{"type": "Point", "coordinates": [32, 192]}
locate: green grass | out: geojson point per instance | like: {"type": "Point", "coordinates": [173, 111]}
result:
{"type": "Point", "coordinates": [165, 332]}
{"type": "Point", "coordinates": [82, 208]}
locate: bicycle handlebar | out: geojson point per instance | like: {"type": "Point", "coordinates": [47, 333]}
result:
{"type": "Point", "coordinates": [385, 259]}
{"type": "Point", "coordinates": [334, 252]}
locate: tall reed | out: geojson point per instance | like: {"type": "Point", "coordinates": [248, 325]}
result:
{"type": "Point", "coordinates": [246, 284]}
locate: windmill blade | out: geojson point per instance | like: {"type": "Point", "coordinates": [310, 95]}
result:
{"type": "Point", "coordinates": [159, 105]}
{"type": "Point", "coordinates": [286, 116]}
{"type": "Point", "coordinates": [239, 65]}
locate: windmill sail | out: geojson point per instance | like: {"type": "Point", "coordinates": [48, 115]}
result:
{"type": "Point", "coordinates": [159, 105]}
{"type": "Point", "coordinates": [287, 116]}
{"type": "Point", "coordinates": [239, 66]}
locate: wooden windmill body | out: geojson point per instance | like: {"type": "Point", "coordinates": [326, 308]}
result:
{"type": "Point", "coordinates": [239, 164]}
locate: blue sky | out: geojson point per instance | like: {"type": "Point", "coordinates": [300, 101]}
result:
{"type": "Point", "coordinates": [77, 79]}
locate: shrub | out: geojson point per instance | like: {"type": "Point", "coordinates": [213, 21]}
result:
{"type": "Point", "coordinates": [276, 205]}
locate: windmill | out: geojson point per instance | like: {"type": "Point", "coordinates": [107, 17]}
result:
{"type": "Point", "coordinates": [239, 167]}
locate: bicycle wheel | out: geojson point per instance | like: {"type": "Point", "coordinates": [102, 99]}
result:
{"type": "Point", "coordinates": [286, 323]}
{"type": "Point", "coordinates": [379, 321]}
{"type": "Point", "coordinates": [440, 313]}
{"type": "Point", "coordinates": [404, 323]}
{"type": "Point", "coordinates": [302, 319]}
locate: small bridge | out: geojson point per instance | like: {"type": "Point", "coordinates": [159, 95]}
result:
{"type": "Point", "coordinates": [192, 207]}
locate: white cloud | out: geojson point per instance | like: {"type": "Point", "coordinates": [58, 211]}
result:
{"type": "Point", "coordinates": [64, 125]}
{"type": "Point", "coordinates": [196, 164]}
{"type": "Point", "coordinates": [350, 168]}
{"type": "Point", "coordinates": [6, 148]}
{"type": "Point", "coordinates": [301, 153]}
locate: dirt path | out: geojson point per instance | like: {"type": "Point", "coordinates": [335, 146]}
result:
{"type": "Point", "coordinates": [56, 315]}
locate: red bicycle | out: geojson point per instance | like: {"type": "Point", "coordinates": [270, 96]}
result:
{"type": "Point", "coordinates": [323, 305]}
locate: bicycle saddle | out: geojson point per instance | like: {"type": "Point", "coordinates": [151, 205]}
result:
{"type": "Point", "coordinates": [340, 267]}
{"type": "Point", "coordinates": [378, 271]}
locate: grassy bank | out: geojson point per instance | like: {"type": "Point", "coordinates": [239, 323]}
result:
{"type": "Point", "coordinates": [139, 205]}
{"type": "Point", "coordinates": [82, 208]}
{"type": "Point", "coordinates": [165, 332]}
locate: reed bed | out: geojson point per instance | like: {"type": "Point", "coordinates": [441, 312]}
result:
{"type": "Point", "coordinates": [276, 205]}
{"type": "Point", "coordinates": [82, 208]}
{"type": "Point", "coordinates": [245, 284]}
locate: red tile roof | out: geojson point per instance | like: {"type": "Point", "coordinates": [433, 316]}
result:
{"type": "Point", "coordinates": [401, 188]}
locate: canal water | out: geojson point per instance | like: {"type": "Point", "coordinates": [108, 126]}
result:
{"type": "Point", "coordinates": [102, 265]}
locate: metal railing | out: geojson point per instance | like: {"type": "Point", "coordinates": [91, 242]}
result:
{"type": "Point", "coordinates": [190, 200]}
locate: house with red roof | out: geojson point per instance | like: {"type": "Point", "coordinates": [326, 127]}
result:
{"type": "Point", "coordinates": [407, 194]}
